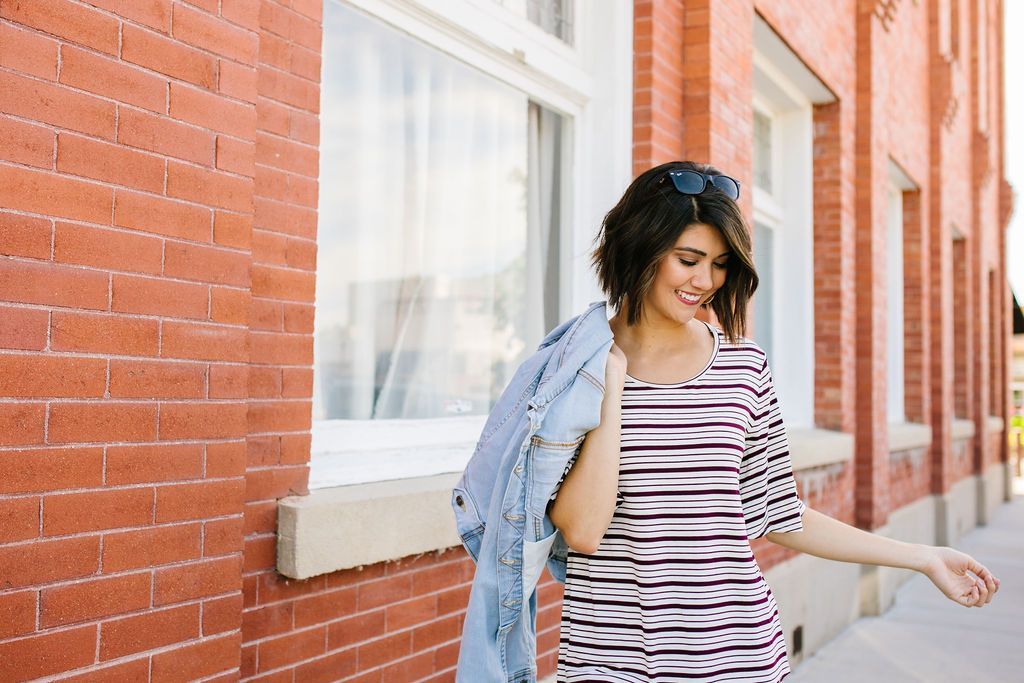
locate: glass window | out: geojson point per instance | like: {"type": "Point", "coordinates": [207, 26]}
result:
{"type": "Point", "coordinates": [764, 238]}
{"type": "Point", "coordinates": [554, 16]}
{"type": "Point", "coordinates": [894, 307]}
{"type": "Point", "coordinates": [438, 233]}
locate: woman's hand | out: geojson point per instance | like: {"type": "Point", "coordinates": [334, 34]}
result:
{"type": "Point", "coordinates": [960, 577]}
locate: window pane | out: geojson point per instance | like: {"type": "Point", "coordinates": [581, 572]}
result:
{"type": "Point", "coordinates": [438, 208]}
{"type": "Point", "coordinates": [764, 321]}
{"type": "Point", "coordinates": [762, 151]}
{"type": "Point", "coordinates": [554, 16]}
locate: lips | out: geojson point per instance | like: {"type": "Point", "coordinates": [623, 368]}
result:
{"type": "Point", "coordinates": [687, 298]}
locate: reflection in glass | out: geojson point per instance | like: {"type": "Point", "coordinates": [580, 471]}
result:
{"type": "Point", "coordinates": [437, 236]}
{"type": "Point", "coordinates": [764, 320]}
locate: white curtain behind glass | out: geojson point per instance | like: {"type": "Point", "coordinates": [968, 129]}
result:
{"type": "Point", "coordinates": [423, 308]}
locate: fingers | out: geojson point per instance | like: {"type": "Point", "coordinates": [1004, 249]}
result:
{"type": "Point", "coordinates": [990, 581]}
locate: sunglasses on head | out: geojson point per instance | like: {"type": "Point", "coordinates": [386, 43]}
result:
{"type": "Point", "coordinates": [695, 182]}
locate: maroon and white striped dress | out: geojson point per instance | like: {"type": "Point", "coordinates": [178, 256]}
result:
{"type": "Point", "coordinates": [674, 592]}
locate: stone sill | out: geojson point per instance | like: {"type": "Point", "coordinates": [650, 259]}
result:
{"type": "Point", "coordinates": [961, 429]}
{"type": "Point", "coordinates": [818, 447]}
{"type": "Point", "coordinates": [993, 424]}
{"type": "Point", "coordinates": [905, 436]}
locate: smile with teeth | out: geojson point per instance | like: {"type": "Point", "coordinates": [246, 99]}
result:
{"type": "Point", "coordinates": [687, 298]}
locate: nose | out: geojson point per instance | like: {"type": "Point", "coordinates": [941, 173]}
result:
{"type": "Point", "coordinates": [702, 276]}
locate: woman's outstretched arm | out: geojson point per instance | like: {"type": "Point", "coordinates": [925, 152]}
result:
{"type": "Point", "coordinates": [950, 570]}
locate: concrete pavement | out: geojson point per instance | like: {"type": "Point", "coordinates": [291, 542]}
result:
{"type": "Point", "coordinates": [926, 637]}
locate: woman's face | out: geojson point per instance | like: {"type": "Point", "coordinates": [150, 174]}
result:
{"type": "Point", "coordinates": [689, 275]}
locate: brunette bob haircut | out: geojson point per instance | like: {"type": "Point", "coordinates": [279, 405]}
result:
{"type": "Point", "coordinates": [643, 228]}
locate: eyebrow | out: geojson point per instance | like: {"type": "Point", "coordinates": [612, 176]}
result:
{"type": "Point", "coordinates": [701, 253]}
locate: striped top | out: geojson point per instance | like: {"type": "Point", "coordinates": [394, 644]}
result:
{"type": "Point", "coordinates": [673, 592]}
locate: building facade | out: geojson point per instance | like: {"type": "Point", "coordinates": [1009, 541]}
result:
{"type": "Point", "coordinates": [265, 264]}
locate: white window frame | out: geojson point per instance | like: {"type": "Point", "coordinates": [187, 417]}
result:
{"type": "Point", "coordinates": [590, 83]}
{"type": "Point", "coordinates": [786, 90]}
{"type": "Point", "coordinates": [898, 183]}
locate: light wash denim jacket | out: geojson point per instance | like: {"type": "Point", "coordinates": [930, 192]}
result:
{"type": "Point", "coordinates": [500, 502]}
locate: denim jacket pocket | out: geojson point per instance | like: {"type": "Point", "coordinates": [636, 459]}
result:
{"type": "Point", "coordinates": [547, 461]}
{"type": "Point", "coordinates": [467, 521]}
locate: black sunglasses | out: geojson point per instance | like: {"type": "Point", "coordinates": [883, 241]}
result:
{"type": "Point", "coordinates": [695, 182]}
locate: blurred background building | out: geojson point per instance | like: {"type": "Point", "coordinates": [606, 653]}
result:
{"type": "Point", "coordinates": [268, 263]}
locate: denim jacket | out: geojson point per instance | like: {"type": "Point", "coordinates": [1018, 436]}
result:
{"type": "Point", "coordinates": [500, 502]}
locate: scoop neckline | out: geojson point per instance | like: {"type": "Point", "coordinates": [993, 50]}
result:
{"type": "Point", "coordinates": [711, 361]}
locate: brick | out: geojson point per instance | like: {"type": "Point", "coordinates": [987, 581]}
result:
{"type": "Point", "coordinates": [302, 191]}
{"type": "Point", "coordinates": [197, 580]}
{"type": "Point", "coordinates": [19, 521]}
{"type": "Point", "coordinates": [384, 650]}
{"type": "Point", "coordinates": [245, 13]}
{"type": "Point", "coordinates": [156, 379]}
{"type": "Point", "coordinates": [266, 621]}
{"type": "Point", "coordinates": [28, 52]}
{"type": "Point", "coordinates": [230, 306]}
{"type": "Point", "coordinates": [153, 13]}
{"type": "Point", "coordinates": [153, 463]}
{"type": "Point", "coordinates": [283, 283]}
{"type": "Point", "coordinates": [294, 647]}
{"type": "Point", "coordinates": [417, 667]}
{"type": "Point", "coordinates": [274, 587]}
{"type": "Point", "coordinates": [214, 34]}
{"type": "Point", "coordinates": [325, 607]}
{"type": "Point", "coordinates": [276, 482]}
{"type": "Point", "coordinates": [21, 424]}
{"type": "Point", "coordinates": [39, 562]}
{"type": "Point", "coordinates": [204, 341]}
{"type": "Point", "coordinates": [47, 653]}
{"type": "Point", "coordinates": [46, 193]}
{"type": "Point", "coordinates": [297, 382]}
{"type": "Point", "coordinates": [266, 315]}
{"type": "Point", "coordinates": [110, 163]}
{"type": "Point", "coordinates": [56, 105]}
{"type": "Point", "coordinates": [169, 57]}
{"type": "Point", "coordinates": [381, 592]}
{"type": "Point", "coordinates": [93, 599]}
{"type": "Point", "coordinates": [268, 247]}
{"type": "Point", "coordinates": [25, 236]}
{"type": "Point", "coordinates": [271, 116]}
{"type": "Point", "coordinates": [69, 513]}
{"type": "Point", "coordinates": [50, 284]}
{"type": "Point", "coordinates": [213, 111]}
{"type": "Point", "coordinates": [260, 518]}
{"type": "Point", "coordinates": [237, 81]}
{"type": "Point", "coordinates": [104, 422]}
{"type": "Point", "coordinates": [260, 553]}
{"type": "Point", "coordinates": [410, 612]}
{"type": "Point", "coordinates": [222, 536]}
{"type": "Point", "coordinates": [27, 376]}
{"type": "Point", "coordinates": [121, 637]}
{"type": "Point", "coordinates": [133, 670]}
{"type": "Point", "coordinates": [67, 20]}
{"type": "Point", "coordinates": [222, 614]}
{"type": "Point", "coordinates": [435, 633]}
{"type": "Point", "coordinates": [280, 416]}
{"type": "Point", "coordinates": [209, 187]}
{"type": "Point", "coordinates": [305, 63]}
{"type": "Point", "coordinates": [295, 449]}
{"type": "Point", "coordinates": [99, 333]}
{"type": "Point", "coordinates": [306, 31]}
{"type": "Point", "coordinates": [333, 667]}
{"type": "Point", "coordinates": [50, 469]}
{"type": "Point", "coordinates": [232, 229]}
{"type": "Point", "coordinates": [287, 155]}
{"type": "Point", "coordinates": [265, 382]}
{"type": "Point", "coordinates": [112, 79]}
{"type": "Point", "coordinates": [26, 143]}
{"type": "Point", "coordinates": [280, 349]}
{"type": "Point", "coordinates": [236, 156]}
{"type": "Point", "coordinates": [17, 613]}
{"type": "Point", "coordinates": [150, 547]}
{"type": "Point", "coordinates": [162, 216]}
{"type": "Point", "coordinates": [200, 660]}
{"type": "Point", "coordinates": [199, 500]}
{"type": "Point", "coordinates": [247, 665]}
{"type": "Point", "coordinates": [288, 89]}
{"type": "Point", "coordinates": [107, 249]}
{"type": "Point", "coordinates": [206, 264]}
{"type": "Point", "coordinates": [285, 218]}
{"type": "Point", "coordinates": [202, 420]}
{"type": "Point", "coordinates": [301, 253]}
{"type": "Point", "coordinates": [225, 459]}
{"type": "Point", "coordinates": [229, 381]}
{"type": "Point", "coordinates": [165, 136]}
{"type": "Point", "coordinates": [153, 296]}
{"type": "Point", "coordinates": [299, 318]}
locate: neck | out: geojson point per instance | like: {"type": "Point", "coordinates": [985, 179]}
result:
{"type": "Point", "coordinates": [655, 337]}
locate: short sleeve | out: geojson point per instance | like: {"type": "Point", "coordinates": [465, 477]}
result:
{"type": "Point", "coordinates": [767, 486]}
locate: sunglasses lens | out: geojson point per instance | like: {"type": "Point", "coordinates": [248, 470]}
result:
{"type": "Point", "coordinates": [687, 182]}
{"type": "Point", "coordinates": [726, 185]}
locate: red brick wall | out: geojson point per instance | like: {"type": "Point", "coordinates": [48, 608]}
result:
{"type": "Point", "coordinates": [158, 193]}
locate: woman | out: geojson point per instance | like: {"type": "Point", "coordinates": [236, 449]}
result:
{"type": "Point", "coordinates": [690, 461]}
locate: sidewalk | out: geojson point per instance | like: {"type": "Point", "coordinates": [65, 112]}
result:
{"type": "Point", "coordinates": [926, 637]}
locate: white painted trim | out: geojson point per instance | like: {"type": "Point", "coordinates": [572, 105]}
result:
{"type": "Point", "coordinates": [894, 329]}
{"type": "Point", "coordinates": [776, 52]}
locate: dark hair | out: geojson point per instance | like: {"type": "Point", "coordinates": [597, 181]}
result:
{"type": "Point", "coordinates": [643, 228]}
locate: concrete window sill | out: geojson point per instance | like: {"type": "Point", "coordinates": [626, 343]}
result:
{"type": "Point", "coordinates": [904, 436]}
{"type": "Point", "coordinates": [993, 424]}
{"type": "Point", "coordinates": [961, 429]}
{"type": "Point", "coordinates": [348, 526]}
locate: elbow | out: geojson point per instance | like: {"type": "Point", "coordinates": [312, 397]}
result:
{"type": "Point", "coordinates": [583, 543]}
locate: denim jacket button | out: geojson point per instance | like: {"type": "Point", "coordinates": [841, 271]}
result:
{"type": "Point", "coordinates": [519, 469]}
{"type": "Point", "coordinates": [459, 502]}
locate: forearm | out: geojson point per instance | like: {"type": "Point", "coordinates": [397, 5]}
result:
{"type": "Point", "coordinates": [585, 503]}
{"type": "Point", "coordinates": [831, 539]}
